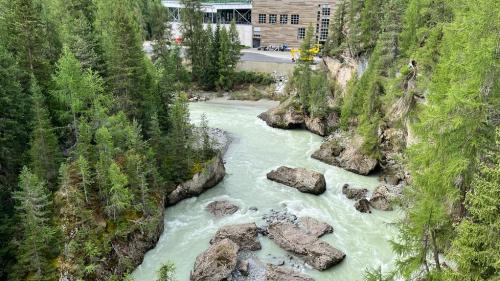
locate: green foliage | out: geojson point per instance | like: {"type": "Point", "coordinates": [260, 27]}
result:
{"type": "Point", "coordinates": [475, 249]}
{"type": "Point", "coordinates": [44, 152]}
{"type": "Point", "coordinates": [250, 77]}
{"type": "Point", "coordinates": [36, 232]}
{"type": "Point", "coordinates": [166, 272]}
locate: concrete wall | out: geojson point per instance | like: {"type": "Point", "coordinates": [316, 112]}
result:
{"type": "Point", "coordinates": [244, 32]}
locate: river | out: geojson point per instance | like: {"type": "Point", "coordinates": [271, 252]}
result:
{"type": "Point", "coordinates": [256, 150]}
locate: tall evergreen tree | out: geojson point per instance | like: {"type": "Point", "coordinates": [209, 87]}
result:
{"type": "Point", "coordinates": [195, 37]}
{"type": "Point", "coordinates": [14, 141]}
{"type": "Point", "coordinates": [37, 233]}
{"type": "Point", "coordinates": [44, 152]}
{"type": "Point", "coordinates": [119, 197]}
{"type": "Point", "coordinates": [27, 39]}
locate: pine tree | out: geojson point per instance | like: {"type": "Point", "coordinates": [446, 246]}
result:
{"type": "Point", "coordinates": [122, 44]}
{"type": "Point", "coordinates": [179, 158]}
{"type": "Point", "coordinates": [224, 65]}
{"type": "Point", "coordinates": [235, 45]}
{"type": "Point", "coordinates": [475, 249]}
{"type": "Point", "coordinates": [336, 40]}
{"type": "Point", "coordinates": [75, 89]}
{"type": "Point", "coordinates": [44, 152]}
{"type": "Point", "coordinates": [119, 197]}
{"type": "Point", "coordinates": [211, 76]}
{"type": "Point", "coordinates": [456, 130]}
{"type": "Point", "coordinates": [37, 233]}
{"type": "Point", "coordinates": [195, 37]}
{"type": "Point", "coordinates": [27, 39]}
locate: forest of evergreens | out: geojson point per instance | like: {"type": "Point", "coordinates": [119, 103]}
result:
{"type": "Point", "coordinates": [94, 133]}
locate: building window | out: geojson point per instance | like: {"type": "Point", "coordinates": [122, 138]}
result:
{"type": "Point", "coordinates": [323, 34]}
{"type": "Point", "coordinates": [283, 19]}
{"type": "Point", "coordinates": [325, 10]}
{"type": "Point", "coordinates": [325, 23]}
{"type": "Point", "coordinates": [272, 18]}
{"type": "Point", "coordinates": [262, 18]}
{"type": "Point", "coordinates": [294, 19]}
{"type": "Point", "coordinates": [302, 33]}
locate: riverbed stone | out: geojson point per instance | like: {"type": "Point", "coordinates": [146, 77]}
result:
{"type": "Point", "coordinates": [363, 205]}
{"type": "Point", "coordinates": [280, 273]}
{"type": "Point", "coordinates": [384, 195]}
{"type": "Point", "coordinates": [244, 235]}
{"type": "Point", "coordinates": [354, 193]}
{"type": "Point", "coordinates": [216, 263]}
{"type": "Point", "coordinates": [319, 254]}
{"type": "Point", "coordinates": [221, 208]}
{"type": "Point", "coordinates": [345, 152]}
{"type": "Point", "coordinates": [213, 172]}
{"type": "Point", "coordinates": [284, 116]}
{"type": "Point", "coordinates": [314, 227]}
{"type": "Point", "coordinates": [306, 181]}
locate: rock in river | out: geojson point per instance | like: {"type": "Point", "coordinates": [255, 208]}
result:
{"type": "Point", "coordinates": [314, 227]}
{"type": "Point", "coordinates": [345, 152]}
{"type": "Point", "coordinates": [315, 252]}
{"type": "Point", "coordinates": [304, 180]}
{"type": "Point", "coordinates": [216, 263]}
{"type": "Point", "coordinates": [363, 206]}
{"type": "Point", "coordinates": [244, 235]}
{"type": "Point", "coordinates": [354, 193]}
{"type": "Point", "coordinates": [279, 273]}
{"type": "Point", "coordinates": [384, 195]}
{"type": "Point", "coordinates": [213, 172]}
{"type": "Point", "coordinates": [283, 117]}
{"type": "Point", "coordinates": [221, 208]}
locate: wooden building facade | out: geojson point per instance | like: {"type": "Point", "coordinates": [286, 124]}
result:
{"type": "Point", "coordinates": [284, 22]}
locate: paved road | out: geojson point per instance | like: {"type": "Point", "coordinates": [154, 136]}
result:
{"type": "Point", "coordinates": [278, 57]}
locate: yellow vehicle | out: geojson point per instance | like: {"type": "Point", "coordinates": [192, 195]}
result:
{"type": "Point", "coordinates": [308, 56]}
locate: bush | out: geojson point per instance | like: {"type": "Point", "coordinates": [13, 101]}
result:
{"type": "Point", "coordinates": [250, 77]}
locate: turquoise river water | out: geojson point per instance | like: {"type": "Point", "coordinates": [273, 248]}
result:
{"type": "Point", "coordinates": [256, 150]}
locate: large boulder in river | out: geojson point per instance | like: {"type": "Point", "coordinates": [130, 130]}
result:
{"type": "Point", "coordinates": [354, 193]}
{"type": "Point", "coordinates": [221, 208]}
{"type": "Point", "coordinates": [244, 235]}
{"type": "Point", "coordinates": [314, 227]}
{"type": "Point", "coordinates": [342, 151]}
{"type": "Point", "coordinates": [279, 273]}
{"type": "Point", "coordinates": [283, 117]}
{"type": "Point", "coordinates": [315, 252]}
{"type": "Point", "coordinates": [384, 195]}
{"type": "Point", "coordinates": [213, 172]}
{"type": "Point", "coordinates": [363, 206]}
{"type": "Point", "coordinates": [304, 180]}
{"type": "Point", "coordinates": [216, 263]}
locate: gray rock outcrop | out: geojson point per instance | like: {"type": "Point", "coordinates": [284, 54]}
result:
{"type": "Point", "coordinates": [244, 235]}
{"type": "Point", "coordinates": [221, 208]}
{"type": "Point", "coordinates": [213, 172]}
{"type": "Point", "coordinates": [384, 195]}
{"type": "Point", "coordinates": [306, 181]}
{"type": "Point", "coordinates": [280, 273]}
{"type": "Point", "coordinates": [283, 117]}
{"type": "Point", "coordinates": [363, 205]}
{"type": "Point", "coordinates": [314, 227]}
{"type": "Point", "coordinates": [315, 252]}
{"type": "Point", "coordinates": [217, 263]}
{"type": "Point", "coordinates": [342, 151]}
{"type": "Point", "coordinates": [354, 193]}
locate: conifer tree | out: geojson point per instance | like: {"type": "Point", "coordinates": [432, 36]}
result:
{"type": "Point", "coordinates": [167, 272]}
{"type": "Point", "coordinates": [27, 39]}
{"type": "Point", "coordinates": [195, 37]}
{"type": "Point", "coordinates": [179, 158]}
{"type": "Point", "coordinates": [14, 139]}
{"type": "Point", "coordinates": [224, 65]}
{"type": "Point", "coordinates": [235, 45]}
{"type": "Point", "coordinates": [37, 233]}
{"type": "Point", "coordinates": [337, 34]}
{"type": "Point", "coordinates": [75, 89]}
{"type": "Point", "coordinates": [211, 76]}
{"type": "Point", "coordinates": [44, 152]}
{"type": "Point", "coordinates": [119, 197]}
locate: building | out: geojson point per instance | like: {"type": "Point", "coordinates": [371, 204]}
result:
{"type": "Point", "coordinates": [284, 22]}
{"type": "Point", "coordinates": [264, 22]}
